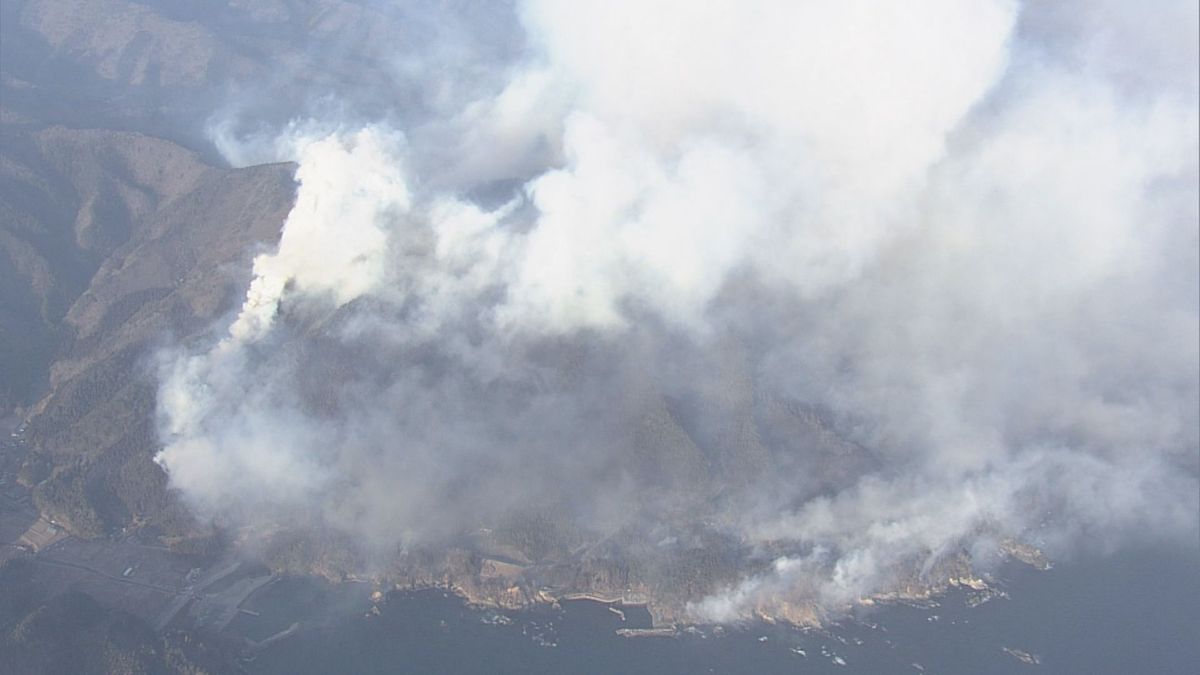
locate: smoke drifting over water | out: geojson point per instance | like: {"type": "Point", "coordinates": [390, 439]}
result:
{"type": "Point", "coordinates": [858, 285]}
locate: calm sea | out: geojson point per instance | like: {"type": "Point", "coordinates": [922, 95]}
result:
{"type": "Point", "coordinates": [1125, 614]}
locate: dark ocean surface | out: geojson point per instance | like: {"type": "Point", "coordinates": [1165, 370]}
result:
{"type": "Point", "coordinates": [1125, 614]}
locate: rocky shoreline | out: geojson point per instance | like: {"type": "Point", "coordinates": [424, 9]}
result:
{"type": "Point", "coordinates": [668, 613]}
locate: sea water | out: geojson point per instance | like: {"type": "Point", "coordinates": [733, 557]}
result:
{"type": "Point", "coordinates": [1128, 613]}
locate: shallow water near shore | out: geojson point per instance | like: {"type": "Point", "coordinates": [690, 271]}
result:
{"type": "Point", "coordinates": [1128, 613]}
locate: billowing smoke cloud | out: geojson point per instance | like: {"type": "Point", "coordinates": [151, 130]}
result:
{"type": "Point", "coordinates": [862, 286]}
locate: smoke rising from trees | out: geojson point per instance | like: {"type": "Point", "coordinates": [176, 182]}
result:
{"type": "Point", "coordinates": [609, 276]}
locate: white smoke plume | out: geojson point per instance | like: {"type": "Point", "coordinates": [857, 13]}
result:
{"type": "Point", "coordinates": [964, 232]}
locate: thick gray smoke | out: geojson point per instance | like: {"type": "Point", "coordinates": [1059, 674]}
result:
{"type": "Point", "coordinates": [628, 272]}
